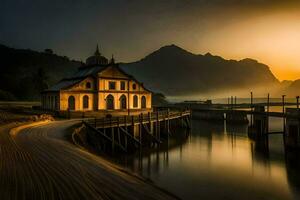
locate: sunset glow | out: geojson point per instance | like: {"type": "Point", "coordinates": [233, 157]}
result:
{"type": "Point", "coordinates": [151, 99]}
{"type": "Point", "coordinates": [267, 31]}
{"type": "Point", "coordinates": [272, 39]}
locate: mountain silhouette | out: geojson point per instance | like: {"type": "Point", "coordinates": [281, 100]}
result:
{"type": "Point", "coordinates": [293, 88]}
{"type": "Point", "coordinates": [175, 71]}
{"type": "Point", "coordinates": [170, 70]}
{"type": "Point", "coordinates": [25, 73]}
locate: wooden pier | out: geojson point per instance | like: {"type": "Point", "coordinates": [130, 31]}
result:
{"type": "Point", "coordinates": [127, 133]}
{"type": "Point", "coordinates": [258, 126]}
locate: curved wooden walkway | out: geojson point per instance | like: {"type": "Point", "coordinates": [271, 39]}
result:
{"type": "Point", "coordinates": [38, 163]}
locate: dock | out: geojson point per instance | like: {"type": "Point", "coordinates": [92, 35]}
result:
{"type": "Point", "coordinates": [256, 116]}
{"type": "Point", "coordinates": [128, 133]}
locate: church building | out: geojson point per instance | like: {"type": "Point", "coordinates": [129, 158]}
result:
{"type": "Point", "coordinates": [99, 85]}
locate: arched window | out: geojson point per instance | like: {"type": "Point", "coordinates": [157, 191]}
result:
{"type": "Point", "coordinates": [85, 102]}
{"type": "Point", "coordinates": [88, 85]}
{"type": "Point", "coordinates": [110, 104]}
{"type": "Point", "coordinates": [71, 103]}
{"type": "Point", "coordinates": [123, 102]}
{"type": "Point", "coordinates": [135, 101]}
{"type": "Point", "coordinates": [143, 102]}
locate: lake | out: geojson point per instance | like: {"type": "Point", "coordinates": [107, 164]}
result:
{"type": "Point", "coordinates": [219, 161]}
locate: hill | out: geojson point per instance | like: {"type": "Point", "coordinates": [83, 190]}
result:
{"type": "Point", "coordinates": [175, 71]}
{"type": "Point", "coordinates": [293, 88]}
{"type": "Point", "coordinates": [24, 73]}
{"type": "Point", "coordinates": [170, 70]}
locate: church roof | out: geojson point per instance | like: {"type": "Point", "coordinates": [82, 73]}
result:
{"type": "Point", "coordinates": [80, 75]}
{"type": "Point", "coordinates": [88, 70]}
{"type": "Point", "coordinates": [64, 84]}
{"type": "Point", "coordinates": [85, 71]}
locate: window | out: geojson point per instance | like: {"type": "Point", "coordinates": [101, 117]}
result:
{"type": "Point", "coordinates": [88, 85]}
{"type": "Point", "coordinates": [123, 104]}
{"type": "Point", "coordinates": [134, 86]}
{"type": "Point", "coordinates": [143, 102]}
{"type": "Point", "coordinates": [112, 85]}
{"type": "Point", "coordinates": [110, 104]}
{"type": "Point", "coordinates": [122, 85]}
{"type": "Point", "coordinates": [135, 101]}
{"type": "Point", "coordinates": [71, 103]}
{"type": "Point", "coordinates": [85, 102]}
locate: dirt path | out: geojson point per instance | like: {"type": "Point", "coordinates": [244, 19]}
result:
{"type": "Point", "coordinates": [37, 163]}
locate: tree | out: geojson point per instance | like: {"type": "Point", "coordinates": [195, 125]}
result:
{"type": "Point", "coordinates": [48, 51]}
{"type": "Point", "coordinates": [39, 81]}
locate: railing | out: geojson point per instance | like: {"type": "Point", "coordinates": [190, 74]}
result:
{"type": "Point", "coordinates": [135, 119]}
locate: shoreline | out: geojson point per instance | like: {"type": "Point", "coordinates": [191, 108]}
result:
{"type": "Point", "coordinates": [118, 167]}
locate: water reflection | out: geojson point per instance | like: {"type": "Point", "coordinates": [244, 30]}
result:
{"type": "Point", "coordinates": [218, 161]}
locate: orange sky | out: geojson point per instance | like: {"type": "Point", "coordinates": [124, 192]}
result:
{"type": "Point", "coordinates": [273, 39]}
{"type": "Point", "coordinates": [265, 30]}
{"type": "Point", "coordinates": [269, 34]}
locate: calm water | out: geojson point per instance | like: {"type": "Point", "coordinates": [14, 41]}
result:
{"type": "Point", "coordinates": [216, 161]}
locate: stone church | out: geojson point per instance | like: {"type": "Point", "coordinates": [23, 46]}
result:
{"type": "Point", "coordinates": [99, 85]}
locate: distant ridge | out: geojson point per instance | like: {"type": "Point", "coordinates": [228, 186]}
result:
{"type": "Point", "coordinates": [24, 73]}
{"type": "Point", "coordinates": [175, 71]}
{"type": "Point", "coordinates": [170, 70]}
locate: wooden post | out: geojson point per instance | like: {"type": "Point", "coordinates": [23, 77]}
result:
{"type": "Point", "coordinates": [268, 103]}
{"type": "Point", "coordinates": [283, 104]}
{"type": "Point", "coordinates": [128, 102]}
{"type": "Point", "coordinates": [283, 111]}
{"type": "Point", "coordinates": [103, 126]}
{"type": "Point", "coordinates": [125, 121]}
{"type": "Point", "coordinates": [168, 121]}
{"type": "Point", "coordinates": [132, 124]}
{"type": "Point", "coordinates": [141, 126]}
{"type": "Point", "coordinates": [156, 126]}
{"type": "Point", "coordinates": [112, 136]}
{"type": "Point", "coordinates": [149, 121]}
{"type": "Point", "coordinates": [228, 102]}
{"type": "Point", "coordinates": [165, 122]}
{"type": "Point", "coordinates": [268, 110]}
{"type": "Point", "coordinates": [181, 119]}
{"type": "Point", "coordinates": [251, 108]}
{"type": "Point", "coordinates": [234, 101]}
{"type": "Point", "coordinates": [297, 98]}
{"type": "Point", "coordinates": [119, 136]}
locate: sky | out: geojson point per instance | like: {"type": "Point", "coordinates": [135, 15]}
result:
{"type": "Point", "coordinates": [265, 30]}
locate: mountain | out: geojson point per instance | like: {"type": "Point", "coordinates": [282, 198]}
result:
{"type": "Point", "coordinates": [293, 88]}
{"type": "Point", "coordinates": [170, 70]}
{"type": "Point", "coordinates": [24, 73]}
{"type": "Point", "coordinates": [175, 71]}
{"type": "Point", "coordinates": [286, 83]}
